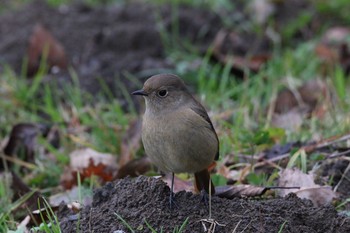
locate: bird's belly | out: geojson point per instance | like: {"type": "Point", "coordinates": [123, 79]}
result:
{"type": "Point", "coordinates": [179, 149]}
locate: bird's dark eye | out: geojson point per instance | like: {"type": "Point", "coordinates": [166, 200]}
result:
{"type": "Point", "coordinates": [162, 93]}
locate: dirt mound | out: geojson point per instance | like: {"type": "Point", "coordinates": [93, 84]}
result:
{"type": "Point", "coordinates": [144, 200]}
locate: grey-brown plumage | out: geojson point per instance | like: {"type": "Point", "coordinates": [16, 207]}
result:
{"type": "Point", "coordinates": [177, 133]}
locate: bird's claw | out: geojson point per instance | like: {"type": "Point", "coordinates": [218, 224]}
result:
{"type": "Point", "coordinates": [172, 202]}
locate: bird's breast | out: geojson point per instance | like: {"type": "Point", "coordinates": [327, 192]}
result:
{"type": "Point", "coordinates": [179, 142]}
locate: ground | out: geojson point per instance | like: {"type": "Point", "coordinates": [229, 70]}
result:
{"type": "Point", "coordinates": [145, 199]}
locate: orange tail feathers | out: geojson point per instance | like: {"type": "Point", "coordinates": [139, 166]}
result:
{"type": "Point", "coordinates": [201, 181]}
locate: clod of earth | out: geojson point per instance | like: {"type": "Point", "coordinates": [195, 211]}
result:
{"type": "Point", "coordinates": [144, 200]}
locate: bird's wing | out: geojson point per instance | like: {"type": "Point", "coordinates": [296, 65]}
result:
{"type": "Point", "coordinates": [200, 110]}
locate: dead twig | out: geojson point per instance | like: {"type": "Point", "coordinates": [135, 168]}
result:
{"type": "Point", "coordinates": [342, 177]}
{"type": "Point", "coordinates": [234, 230]}
{"type": "Point", "coordinates": [212, 224]}
{"type": "Point", "coordinates": [338, 154]}
{"type": "Point", "coordinates": [311, 148]}
{"type": "Point", "coordinates": [326, 142]}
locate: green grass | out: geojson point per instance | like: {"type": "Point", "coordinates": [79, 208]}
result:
{"type": "Point", "coordinates": [7, 221]}
{"type": "Point", "coordinates": [53, 224]}
{"type": "Point", "coordinates": [282, 226]}
{"type": "Point", "coordinates": [151, 228]}
{"type": "Point", "coordinates": [335, 10]}
{"type": "Point", "coordinates": [25, 102]}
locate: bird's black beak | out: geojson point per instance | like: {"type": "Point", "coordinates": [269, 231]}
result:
{"type": "Point", "coordinates": [140, 92]}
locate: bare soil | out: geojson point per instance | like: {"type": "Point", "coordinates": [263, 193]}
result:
{"type": "Point", "coordinates": [144, 200]}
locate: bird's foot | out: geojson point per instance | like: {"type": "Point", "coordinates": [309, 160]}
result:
{"type": "Point", "coordinates": [204, 197]}
{"type": "Point", "coordinates": [172, 202]}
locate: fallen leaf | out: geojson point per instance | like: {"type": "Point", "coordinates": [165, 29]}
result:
{"type": "Point", "coordinates": [291, 107]}
{"type": "Point", "coordinates": [43, 43]}
{"type": "Point", "coordinates": [333, 48]}
{"type": "Point", "coordinates": [231, 191]}
{"type": "Point", "coordinates": [326, 54]}
{"type": "Point", "coordinates": [69, 197]}
{"type": "Point", "coordinates": [335, 35]}
{"type": "Point", "coordinates": [319, 195]}
{"type": "Point", "coordinates": [23, 138]}
{"type": "Point", "coordinates": [261, 10]}
{"type": "Point", "coordinates": [231, 48]}
{"type": "Point", "coordinates": [135, 168]}
{"type": "Point", "coordinates": [22, 226]}
{"type": "Point", "coordinates": [88, 162]}
{"type": "Point", "coordinates": [230, 174]}
{"type": "Point", "coordinates": [179, 184]}
{"type": "Point", "coordinates": [68, 178]}
{"type": "Point", "coordinates": [315, 93]}
{"type": "Point", "coordinates": [307, 96]}
{"type": "Point", "coordinates": [20, 189]}
{"type": "Point", "coordinates": [43, 214]}
{"type": "Point", "coordinates": [290, 121]}
{"type": "Point", "coordinates": [82, 158]}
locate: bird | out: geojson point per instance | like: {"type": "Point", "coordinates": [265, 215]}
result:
{"type": "Point", "coordinates": [177, 133]}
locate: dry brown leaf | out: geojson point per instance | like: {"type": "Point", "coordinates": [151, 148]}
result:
{"type": "Point", "coordinates": [232, 175]}
{"type": "Point", "coordinates": [69, 197]}
{"type": "Point", "coordinates": [333, 48]}
{"type": "Point", "coordinates": [42, 41]}
{"type": "Point", "coordinates": [104, 171]}
{"type": "Point", "coordinates": [239, 191]}
{"type": "Point", "coordinates": [43, 214]}
{"type": "Point", "coordinates": [336, 35]}
{"type": "Point", "coordinates": [19, 189]}
{"type": "Point", "coordinates": [68, 178]}
{"type": "Point", "coordinates": [225, 39]}
{"type": "Point", "coordinates": [88, 162]}
{"type": "Point", "coordinates": [308, 95]}
{"type": "Point", "coordinates": [81, 158]}
{"type": "Point", "coordinates": [135, 168]}
{"type": "Point", "coordinates": [291, 120]}
{"type": "Point", "coordinates": [24, 223]}
{"type": "Point", "coordinates": [261, 10]}
{"type": "Point", "coordinates": [319, 195]}
{"type": "Point", "coordinates": [291, 107]}
{"type": "Point", "coordinates": [315, 94]}
{"type": "Point", "coordinates": [23, 138]}
{"type": "Point", "coordinates": [326, 53]}
{"type": "Point", "coordinates": [179, 184]}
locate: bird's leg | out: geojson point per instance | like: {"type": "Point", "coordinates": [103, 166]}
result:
{"type": "Point", "coordinates": [204, 196]}
{"type": "Point", "coordinates": [210, 183]}
{"type": "Point", "coordinates": [213, 223]}
{"type": "Point", "coordinates": [172, 201]}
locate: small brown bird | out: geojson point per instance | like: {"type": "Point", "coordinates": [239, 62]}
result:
{"type": "Point", "coordinates": [177, 133]}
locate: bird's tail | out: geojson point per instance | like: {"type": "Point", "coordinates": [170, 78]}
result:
{"type": "Point", "coordinates": [201, 181]}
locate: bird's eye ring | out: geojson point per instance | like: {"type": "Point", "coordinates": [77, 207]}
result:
{"type": "Point", "coordinates": [162, 93]}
